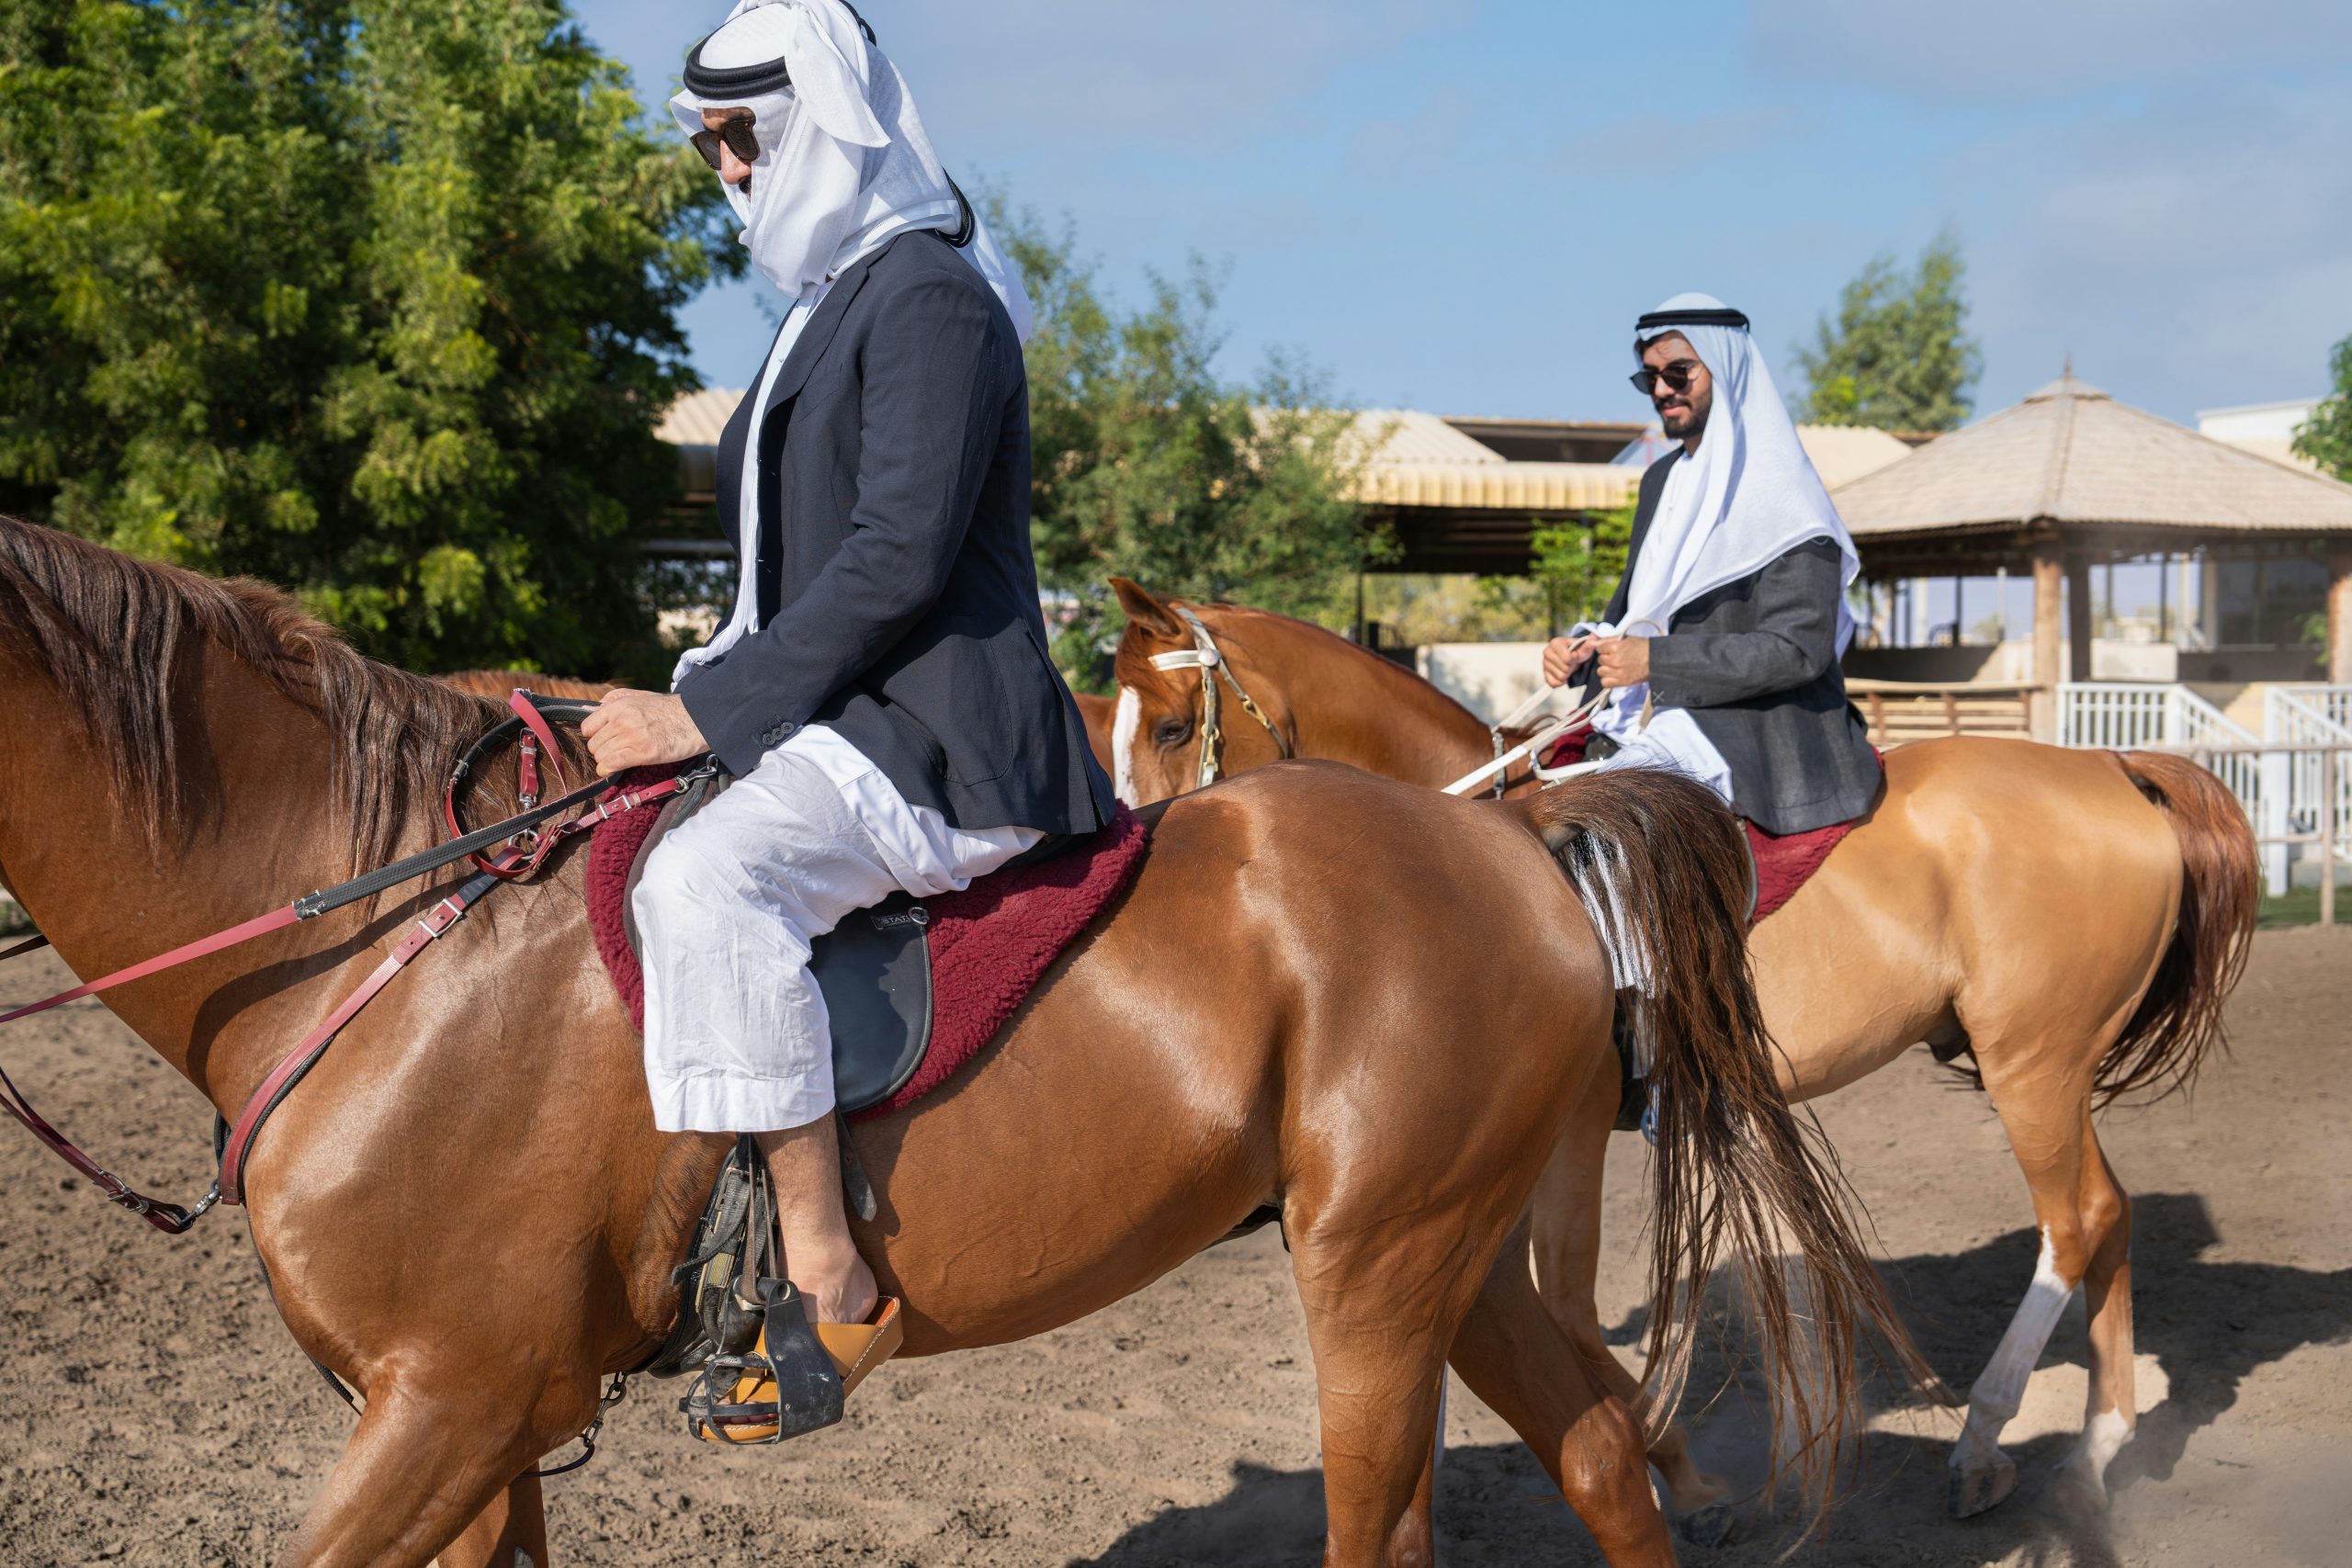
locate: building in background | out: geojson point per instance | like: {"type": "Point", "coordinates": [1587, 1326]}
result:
{"type": "Point", "coordinates": [2245, 561]}
{"type": "Point", "coordinates": [2267, 429]}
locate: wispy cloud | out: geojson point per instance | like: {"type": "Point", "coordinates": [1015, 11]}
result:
{"type": "Point", "coordinates": [2011, 50]}
{"type": "Point", "coordinates": [2206, 244]}
{"type": "Point", "coordinates": [1203, 74]}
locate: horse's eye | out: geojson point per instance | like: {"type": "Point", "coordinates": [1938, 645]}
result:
{"type": "Point", "coordinates": [1171, 730]}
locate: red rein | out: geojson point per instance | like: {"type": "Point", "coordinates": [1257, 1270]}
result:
{"type": "Point", "coordinates": [506, 864]}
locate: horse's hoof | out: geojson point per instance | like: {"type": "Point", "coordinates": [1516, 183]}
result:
{"type": "Point", "coordinates": [2076, 1490]}
{"type": "Point", "coordinates": [1712, 1526]}
{"type": "Point", "coordinates": [1978, 1487]}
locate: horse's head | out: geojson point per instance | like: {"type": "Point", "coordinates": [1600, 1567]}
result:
{"type": "Point", "coordinates": [1173, 730]}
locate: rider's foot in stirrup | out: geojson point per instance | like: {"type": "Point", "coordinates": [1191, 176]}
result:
{"type": "Point", "coordinates": [835, 1283]}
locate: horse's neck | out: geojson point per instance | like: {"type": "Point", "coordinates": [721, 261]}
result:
{"type": "Point", "coordinates": [264, 830]}
{"type": "Point", "coordinates": [1351, 705]}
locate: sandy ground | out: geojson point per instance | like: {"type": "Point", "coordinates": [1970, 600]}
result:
{"type": "Point", "coordinates": [152, 1410]}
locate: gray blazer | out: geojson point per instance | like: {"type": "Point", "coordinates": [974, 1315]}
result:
{"type": "Point", "coordinates": [898, 597]}
{"type": "Point", "coordinates": [1755, 665]}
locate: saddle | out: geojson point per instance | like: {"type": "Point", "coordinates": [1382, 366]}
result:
{"type": "Point", "coordinates": [873, 969]}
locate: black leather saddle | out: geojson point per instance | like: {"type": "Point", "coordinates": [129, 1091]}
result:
{"type": "Point", "coordinates": [874, 970]}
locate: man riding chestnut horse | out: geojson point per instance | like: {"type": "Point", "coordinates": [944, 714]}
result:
{"type": "Point", "coordinates": [1719, 651]}
{"type": "Point", "coordinates": [881, 692]}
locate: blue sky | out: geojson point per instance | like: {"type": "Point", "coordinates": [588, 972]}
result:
{"type": "Point", "coordinates": [1462, 205]}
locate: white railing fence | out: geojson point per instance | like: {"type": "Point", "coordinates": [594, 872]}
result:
{"type": "Point", "coordinates": [2120, 714]}
{"type": "Point", "coordinates": [2311, 716]}
{"type": "Point", "coordinates": [2284, 791]}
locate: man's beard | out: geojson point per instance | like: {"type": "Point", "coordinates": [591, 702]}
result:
{"type": "Point", "coordinates": [1694, 422]}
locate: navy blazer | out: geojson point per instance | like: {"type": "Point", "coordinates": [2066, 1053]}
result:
{"type": "Point", "coordinates": [898, 598]}
{"type": "Point", "coordinates": [1755, 662]}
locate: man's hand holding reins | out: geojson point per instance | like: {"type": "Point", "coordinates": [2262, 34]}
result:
{"type": "Point", "coordinates": [1618, 661]}
{"type": "Point", "coordinates": [641, 729]}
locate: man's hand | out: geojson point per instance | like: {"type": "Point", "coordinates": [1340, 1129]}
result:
{"type": "Point", "coordinates": [1561, 655]}
{"type": "Point", "coordinates": [640, 730]}
{"type": "Point", "coordinates": [1625, 661]}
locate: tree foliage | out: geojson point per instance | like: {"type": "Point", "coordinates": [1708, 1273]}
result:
{"type": "Point", "coordinates": [1577, 565]}
{"type": "Point", "coordinates": [374, 301]}
{"type": "Point", "coordinates": [2326, 437]}
{"type": "Point", "coordinates": [1899, 355]}
{"type": "Point", "coordinates": [1150, 466]}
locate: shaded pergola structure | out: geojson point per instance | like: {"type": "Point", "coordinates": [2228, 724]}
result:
{"type": "Point", "coordinates": [2070, 478]}
{"type": "Point", "coordinates": [1465, 494]}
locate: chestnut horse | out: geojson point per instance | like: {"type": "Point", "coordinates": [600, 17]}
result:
{"type": "Point", "coordinates": [2073, 920]}
{"type": "Point", "coordinates": [1373, 1007]}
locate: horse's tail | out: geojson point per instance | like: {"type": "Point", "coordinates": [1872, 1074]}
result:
{"type": "Point", "coordinates": [2178, 1022]}
{"type": "Point", "coordinates": [1664, 874]}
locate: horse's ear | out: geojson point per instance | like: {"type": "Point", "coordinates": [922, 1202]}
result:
{"type": "Point", "coordinates": [1146, 611]}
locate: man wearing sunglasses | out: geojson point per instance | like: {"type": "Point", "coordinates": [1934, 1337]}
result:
{"type": "Point", "coordinates": [881, 691]}
{"type": "Point", "coordinates": [1719, 651]}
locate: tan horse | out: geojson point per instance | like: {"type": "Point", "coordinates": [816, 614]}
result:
{"type": "Point", "coordinates": [467, 1213]}
{"type": "Point", "coordinates": [2071, 920]}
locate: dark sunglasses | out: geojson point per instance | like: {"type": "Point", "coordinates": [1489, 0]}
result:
{"type": "Point", "coordinates": [1677, 376]}
{"type": "Point", "coordinates": [735, 133]}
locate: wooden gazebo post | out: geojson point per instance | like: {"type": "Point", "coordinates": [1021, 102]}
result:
{"type": "Point", "coordinates": [2049, 572]}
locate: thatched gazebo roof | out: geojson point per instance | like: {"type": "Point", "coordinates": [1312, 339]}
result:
{"type": "Point", "coordinates": [2071, 465]}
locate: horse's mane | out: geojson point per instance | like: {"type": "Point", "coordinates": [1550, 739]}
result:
{"type": "Point", "coordinates": [120, 639]}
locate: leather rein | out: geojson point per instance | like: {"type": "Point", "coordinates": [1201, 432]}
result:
{"type": "Point", "coordinates": [1205, 656]}
{"type": "Point", "coordinates": [506, 851]}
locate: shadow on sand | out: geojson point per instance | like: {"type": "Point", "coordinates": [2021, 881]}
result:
{"type": "Point", "coordinates": [2208, 1324]}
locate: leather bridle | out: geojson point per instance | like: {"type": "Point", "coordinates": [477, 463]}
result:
{"type": "Point", "coordinates": [504, 852]}
{"type": "Point", "coordinates": [1205, 656]}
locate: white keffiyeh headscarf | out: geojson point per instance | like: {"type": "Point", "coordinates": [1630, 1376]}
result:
{"type": "Point", "coordinates": [1750, 494]}
{"type": "Point", "coordinates": [1746, 498]}
{"type": "Point", "coordinates": [844, 162]}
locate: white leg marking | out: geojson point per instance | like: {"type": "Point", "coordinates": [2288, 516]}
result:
{"type": "Point", "coordinates": [2102, 1440]}
{"type": "Point", "coordinates": [1124, 722]}
{"type": "Point", "coordinates": [1997, 1395]}
{"type": "Point", "coordinates": [523, 1559]}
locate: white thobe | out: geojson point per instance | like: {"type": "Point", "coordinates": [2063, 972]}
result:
{"type": "Point", "coordinates": [1670, 738]}
{"type": "Point", "coordinates": [737, 1039]}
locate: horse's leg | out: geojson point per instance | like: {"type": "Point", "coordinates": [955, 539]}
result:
{"type": "Point", "coordinates": [431, 1456]}
{"type": "Point", "coordinates": [2113, 1411]}
{"type": "Point", "coordinates": [2081, 1212]}
{"type": "Point", "coordinates": [1566, 1231]}
{"type": "Point", "coordinates": [511, 1533]}
{"type": "Point", "coordinates": [1378, 1326]}
{"type": "Point", "coordinates": [1525, 1364]}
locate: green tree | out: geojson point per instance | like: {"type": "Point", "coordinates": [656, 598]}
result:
{"type": "Point", "coordinates": [1149, 465]}
{"type": "Point", "coordinates": [374, 301]}
{"type": "Point", "coordinates": [1577, 565]}
{"type": "Point", "coordinates": [2326, 437]}
{"type": "Point", "coordinates": [1898, 357]}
